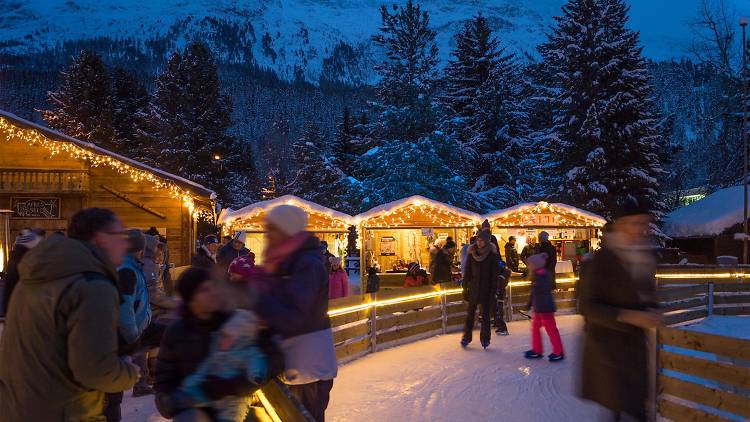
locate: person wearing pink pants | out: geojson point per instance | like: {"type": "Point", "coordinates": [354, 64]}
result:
{"type": "Point", "coordinates": [544, 310]}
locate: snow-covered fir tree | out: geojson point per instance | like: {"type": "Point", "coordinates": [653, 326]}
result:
{"type": "Point", "coordinates": [343, 146]}
{"type": "Point", "coordinates": [81, 106]}
{"type": "Point", "coordinates": [189, 116]}
{"type": "Point", "coordinates": [129, 111]}
{"type": "Point", "coordinates": [606, 138]}
{"type": "Point", "coordinates": [486, 101]}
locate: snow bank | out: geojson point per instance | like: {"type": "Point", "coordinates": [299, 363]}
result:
{"type": "Point", "coordinates": [708, 217]}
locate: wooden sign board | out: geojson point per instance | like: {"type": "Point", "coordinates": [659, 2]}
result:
{"type": "Point", "coordinates": [31, 208]}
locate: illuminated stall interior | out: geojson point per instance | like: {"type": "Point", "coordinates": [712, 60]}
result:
{"type": "Point", "coordinates": [327, 224]}
{"type": "Point", "coordinates": [400, 232]}
{"type": "Point", "coordinates": [573, 231]}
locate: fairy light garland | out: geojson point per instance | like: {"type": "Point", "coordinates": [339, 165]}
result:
{"type": "Point", "coordinates": [561, 216]}
{"type": "Point", "coordinates": [404, 217]}
{"type": "Point", "coordinates": [56, 147]}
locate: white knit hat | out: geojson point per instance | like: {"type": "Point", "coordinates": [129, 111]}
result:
{"type": "Point", "coordinates": [241, 237]}
{"type": "Point", "coordinates": [288, 218]}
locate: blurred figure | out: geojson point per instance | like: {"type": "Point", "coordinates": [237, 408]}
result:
{"type": "Point", "coordinates": [205, 255]}
{"type": "Point", "coordinates": [480, 284]}
{"type": "Point", "coordinates": [501, 328]}
{"type": "Point", "coordinates": [296, 307]}
{"type": "Point", "coordinates": [59, 349]}
{"type": "Point", "coordinates": [415, 276]}
{"type": "Point", "coordinates": [232, 250]}
{"type": "Point", "coordinates": [338, 281]}
{"type": "Point", "coordinates": [373, 280]}
{"type": "Point", "coordinates": [529, 249]}
{"type": "Point", "coordinates": [544, 310]}
{"type": "Point", "coordinates": [617, 296]}
{"type": "Point", "coordinates": [441, 261]}
{"type": "Point", "coordinates": [225, 240]}
{"type": "Point", "coordinates": [545, 246]}
{"type": "Point", "coordinates": [326, 255]}
{"type": "Point", "coordinates": [511, 254]}
{"type": "Point", "coordinates": [25, 240]}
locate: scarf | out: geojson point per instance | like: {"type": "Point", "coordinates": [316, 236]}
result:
{"type": "Point", "coordinates": [273, 257]}
{"type": "Point", "coordinates": [480, 254]}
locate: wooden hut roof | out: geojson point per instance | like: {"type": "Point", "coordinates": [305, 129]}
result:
{"type": "Point", "coordinates": [523, 215]}
{"type": "Point", "coordinates": [250, 217]}
{"type": "Point", "coordinates": [417, 211]}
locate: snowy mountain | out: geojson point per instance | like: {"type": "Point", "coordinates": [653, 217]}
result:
{"type": "Point", "coordinates": [305, 38]}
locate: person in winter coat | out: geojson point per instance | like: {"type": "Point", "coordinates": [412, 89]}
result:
{"type": "Point", "coordinates": [185, 344]}
{"type": "Point", "coordinates": [58, 355]}
{"type": "Point", "coordinates": [441, 262]}
{"type": "Point", "coordinates": [531, 248]}
{"type": "Point", "coordinates": [545, 246]}
{"type": "Point", "coordinates": [26, 240]}
{"type": "Point", "coordinates": [373, 280]}
{"type": "Point", "coordinates": [501, 328]}
{"type": "Point", "coordinates": [480, 284]}
{"type": "Point", "coordinates": [544, 310]}
{"type": "Point", "coordinates": [232, 250]}
{"type": "Point", "coordinates": [415, 276]}
{"type": "Point", "coordinates": [296, 307]}
{"type": "Point", "coordinates": [326, 254]}
{"type": "Point", "coordinates": [234, 355]}
{"type": "Point", "coordinates": [338, 281]}
{"type": "Point", "coordinates": [486, 226]}
{"type": "Point", "coordinates": [205, 256]}
{"type": "Point", "coordinates": [618, 294]}
{"type": "Point", "coordinates": [135, 314]}
{"type": "Point", "coordinates": [511, 254]}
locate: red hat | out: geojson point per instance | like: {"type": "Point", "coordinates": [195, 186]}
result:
{"type": "Point", "coordinates": [243, 265]}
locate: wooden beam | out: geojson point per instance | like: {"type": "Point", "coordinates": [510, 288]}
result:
{"type": "Point", "coordinates": [133, 202]}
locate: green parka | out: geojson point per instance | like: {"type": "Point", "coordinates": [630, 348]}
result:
{"type": "Point", "coordinates": [58, 353]}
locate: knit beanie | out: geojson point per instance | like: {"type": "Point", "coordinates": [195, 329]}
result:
{"type": "Point", "coordinates": [335, 261]}
{"type": "Point", "coordinates": [241, 237]}
{"type": "Point", "coordinates": [190, 280]}
{"type": "Point", "coordinates": [27, 238]}
{"type": "Point", "coordinates": [136, 241]}
{"type": "Point", "coordinates": [543, 236]}
{"type": "Point", "coordinates": [484, 235]}
{"type": "Point", "coordinates": [243, 265]}
{"type": "Point", "coordinates": [485, 224]}
{"type": "Point", "coordinates": [288, 218]}
{"type": "Point", "coordinates": [210, 239]}
{"type": "Point", "coordinates": [534, 262]}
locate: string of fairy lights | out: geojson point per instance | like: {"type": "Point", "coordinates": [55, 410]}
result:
{"type": "Point", "coordinates": [559, 216]}
{"type": "Point", "coordinates": [55, 147]}
{"type": "Point", "coordinates": [406, 216]}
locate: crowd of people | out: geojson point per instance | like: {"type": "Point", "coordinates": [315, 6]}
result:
{"type": "Point", "coordinates": [90, 314]}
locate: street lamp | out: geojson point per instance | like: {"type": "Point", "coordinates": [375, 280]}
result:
{"type": "Point", "coordinates": [743, 24]}
{"type": "Point", "coordinates": [217, 158]}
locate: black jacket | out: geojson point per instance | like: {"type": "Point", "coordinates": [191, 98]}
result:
{"type": "Point", "coordinates": [298, 301]}
{"type": "Point", "coordinates": [227, 254]}
{"type": "Point", "coordinates": [541, 292]}
{"type": "Point", "coordinates": [11, 276]}
{"type": "Point", "coordinates": [481, 278]}
{"type": "Point", "coordinates": [440, 266]}
{"type": "Point", "coordinates": [373, 283]}
{"type": "Point", "coordinates": [202, 259]}
{"type": "Point", "coordinates": [548, 248]}
{"type": "Point", "coordinates": [615, 370]}
{"type": "Point", "coordinates": [511, 256]}
{"type": "Point", "coordinates": [528, 251]}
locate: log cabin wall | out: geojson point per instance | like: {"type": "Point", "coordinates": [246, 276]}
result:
{"type": "Point", "coordinates": [29, 173]}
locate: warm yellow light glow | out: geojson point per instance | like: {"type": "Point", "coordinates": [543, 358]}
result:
{"type": "Point", "coordinates": [217, 157]}
{"type": "Point", "coordinates": [268, 406]}
{"type": "Point", "coordinates": [700, 275]}
{"type": "Point", "coordinates": [2, 259]}
{"type": "Point", "coordinates": [378, 303]}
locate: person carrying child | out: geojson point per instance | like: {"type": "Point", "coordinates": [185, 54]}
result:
{"type": "Point", "coordinates": [542, 283]}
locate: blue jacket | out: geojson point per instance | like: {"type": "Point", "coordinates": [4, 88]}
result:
{"type": "Point", "coordinates": [135, 311]}
{"type": "Point", "coordinates": [541, 291]}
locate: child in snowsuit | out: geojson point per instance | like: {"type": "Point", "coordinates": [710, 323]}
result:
{"type": "Point", "coordinates": [233, 355]}
{"type": "Point", "coordinates": [542, 283]}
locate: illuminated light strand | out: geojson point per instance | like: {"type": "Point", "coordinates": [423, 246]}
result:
{"type": "Point", "coordinates": [268, 406]}
{"type": "Point", "coordinates": [705, 275]}
{"type": "Point", "coordinates": [56, 147]}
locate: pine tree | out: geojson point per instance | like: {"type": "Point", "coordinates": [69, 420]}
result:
{"type": "Point", "coordinates": [343, 147]}
{"type": "Point", "coordinates": [605, 135]}
{"type": "Point", "coordinates": [190, 117]}
{"type": "Point", "coordinates": [129, 110]}
{"type": "Point", "coordinates": [81, 106]}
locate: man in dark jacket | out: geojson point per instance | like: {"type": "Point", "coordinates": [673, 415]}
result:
{"type": "Point", "coordinates": [232, 250]}
{"type": "Point", "coordinates": [480, 285]}
{"type": "Point", "coordinates": [59, 349]}
{"type": "Point", "coordinates": [205, 255]}
{"type": "Point", "coordinates": [296, 307]}
{"type": "Point", "coordinates": [511, 254]}
{"type": "Point", "coordinates": [327, 255]}
{"type": "Point", "coordinates": [26, 240]}
{"type": "Point", "coordinates": [616, 300]}
{"type": "Point", "coordinates": [545, 246]}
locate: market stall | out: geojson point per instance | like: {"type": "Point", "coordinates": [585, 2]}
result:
{"type": "Point", "coordinates": [394, 234]}
{"type": "Point", "coordinates": [573, 231]}
{"type": "Point", "coordinates": [327, 224]}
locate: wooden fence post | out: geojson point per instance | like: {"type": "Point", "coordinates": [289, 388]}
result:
{"type": "Point", "coordinates": [444, 311]}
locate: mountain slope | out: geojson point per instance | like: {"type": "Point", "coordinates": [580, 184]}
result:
{"type": "Point", "coordinates": [306, 38]}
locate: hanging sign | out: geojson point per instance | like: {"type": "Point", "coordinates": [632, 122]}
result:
{"type": "Point", "coordinates": [428, 232]}
{"type": "Point", "coordinates": [35, 207]}
{"type": "Point", "coordinates": [387, 246]}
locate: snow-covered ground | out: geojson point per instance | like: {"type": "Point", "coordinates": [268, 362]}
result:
{"type": "Point", "coordinates": [730, 326]}
{"type": "Point", "coordinates": [435, 380]}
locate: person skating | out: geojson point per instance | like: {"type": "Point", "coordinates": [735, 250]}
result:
{"type": "Point", "coordinates": [501, 328]}
{"type": "Point", "coordinates": [25, 240]}
{"type": "Point", "coordinates": [59, 348]}
{"type": "Point", "coordinates": [205, 255]}
{"type": "Point", "coordinates": [543, 304]}
{"type": "Point", "coordinates": [617, 297]}
{"type": "Point", "coordinates": [296, 307]}
{"type": "Point", "coordinates": [338, 281]}
{"type": "Point", "coordinates": [511, 254]}
{"type": "Point", "coordinates": [480, 284]}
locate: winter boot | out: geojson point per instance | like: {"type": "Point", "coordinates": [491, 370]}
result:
{"type": "Point", "coordinates": [530, 354]}
{"type": "Point", "coordinates": [465, 342]}
{"type": "Point", "coordinates": [485, 344]}
{"type": "Point", "coordinates": [502, 329]}
{"type": "Point", "coordinates": [554, 358]}
{"type": "Point", "coordinates": [142, 389]}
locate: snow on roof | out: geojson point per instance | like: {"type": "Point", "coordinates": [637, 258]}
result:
{"type": "Point", "coordinates": [415, 200]}
{"type": "Point", "coordinates": [596, 219]}
{"type": "Point", "coordinates": [228, 215]}
{"type": "Point", "coordinates": [61, 137]}
{"type": "Point", "coordinates": [708, 217]}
